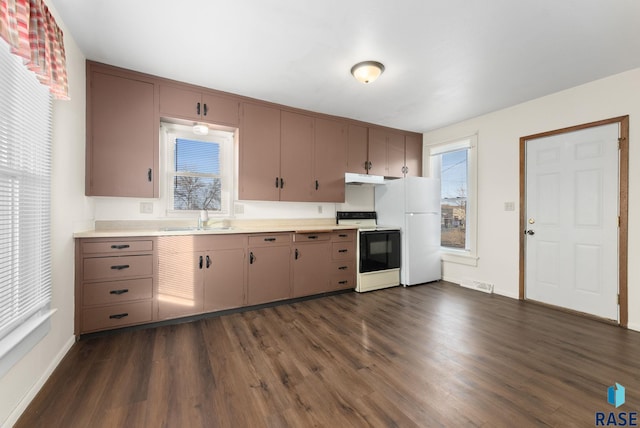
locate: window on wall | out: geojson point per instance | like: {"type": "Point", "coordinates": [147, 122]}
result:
{"type": "Point", "coordinates": [200, 175]}
{"type": "Point", "coordinates": [25, 200]}
{"type": "Point", "coordinates": [454, 163]}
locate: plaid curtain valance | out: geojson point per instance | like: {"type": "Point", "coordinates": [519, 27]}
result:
{"type": "Point", "coordinates": [28, 27]}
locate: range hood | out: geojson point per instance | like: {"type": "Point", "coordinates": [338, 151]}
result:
{"type": "Point", "coordinates": [351, 178]}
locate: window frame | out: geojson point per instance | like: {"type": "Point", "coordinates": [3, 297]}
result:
{"type": "Point", "coordinates": [30, 220]}
{"type": "Point", "coordinates": [469, 255]}
{"type": "Point", "coordinates": [226, 139]}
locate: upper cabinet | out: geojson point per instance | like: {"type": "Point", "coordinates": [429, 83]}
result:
{"type": "Point", "coordinates": [189, 103]}
{"type": "Point", "coordinates": [285, 154]}
{"type": "Point", "coordinates": [288, 156]}
{"type": "Point", "coordinates": [122, 133]}
{"type": "Point", "coordinates": [330, 160]}
{"type": "Point", "coordinates": [380, 151]}
{"type": "Point", "coordinates": [357, 149]}
{"type": "Point", "coordinates": [413, 155]}
{"type": "Point", "coordinates": [259, 163]}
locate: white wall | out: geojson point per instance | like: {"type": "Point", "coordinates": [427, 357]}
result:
{"type": "Point", "coordinates": [71, 212]}
{"type": "Point", "coordinates": [498, 173]}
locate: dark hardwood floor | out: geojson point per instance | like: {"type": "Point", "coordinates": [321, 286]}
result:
{"type": "Point", "coordinates": [426, 356]}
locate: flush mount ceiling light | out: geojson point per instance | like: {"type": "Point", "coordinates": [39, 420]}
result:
{"type": "Point", "coordinates": [200, 129]}
{"type": "Point", "coordinates": [367, 71]}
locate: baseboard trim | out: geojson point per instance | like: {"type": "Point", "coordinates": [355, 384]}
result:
{"type": "Point", "coordinates": [31, 394]}
{"type": "Point", "coordinates": [633, 326]}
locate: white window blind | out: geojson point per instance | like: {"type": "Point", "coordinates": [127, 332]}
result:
{"type": "Point", "coordinates": [25, 177]}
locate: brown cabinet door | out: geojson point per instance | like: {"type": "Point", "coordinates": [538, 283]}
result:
{"type": "Point", "coordinates": [224, 280]}
{"type": "Point", "coordinates": [311, 268]}
{"type": "Point", "coordinates": [180, 284]}
{"type": "Point", "coordinates": [395, 155]}
{"type": "Point", "coordinates": [296, 151]}
{"type": "Point", "coordinates": [377, 153]}
{"type": "Point", "coordinates": [219, 109]}
{"type": "Point", "coordinates": [413, 155]}
{"type": "Point", "coordinates": [269, 277]}
{"type": "Point", "coordinates": [180, 102]}
{"type": "Point", "coordinates": [330, 159]}
{"type": "Point", "coordinates": [185, 103]}
{"type": "Point", "coordinates": [357, 149]}
{"type": "Point", "coordinates": [259, 163]}
{"type": "Point", "coordinates": [122, 136]}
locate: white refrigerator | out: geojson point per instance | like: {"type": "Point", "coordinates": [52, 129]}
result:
{"type": "Point", "coordinates": [413, 205]}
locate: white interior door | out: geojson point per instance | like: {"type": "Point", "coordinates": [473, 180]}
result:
{"type": "Point", "coordinates": [571, 252]}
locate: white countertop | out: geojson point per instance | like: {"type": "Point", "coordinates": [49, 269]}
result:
{"type": "Point", "coordinates": [123, 229]}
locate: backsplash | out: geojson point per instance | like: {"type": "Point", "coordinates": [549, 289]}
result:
{"type": "Point", "coordinates": [358, 198]}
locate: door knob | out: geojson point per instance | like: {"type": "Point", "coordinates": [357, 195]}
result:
{"type": "Point", "coordinates": [529, 232]}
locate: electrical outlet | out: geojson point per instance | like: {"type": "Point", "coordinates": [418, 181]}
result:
{"type": "Point", "coordinates": [509, 206]}
{"type": "Point", "coordinates": [146, 207]}
{"type": "Point", "coordinates": [319, 209]}
{"type": "Point", "coordinates": [238, 209]}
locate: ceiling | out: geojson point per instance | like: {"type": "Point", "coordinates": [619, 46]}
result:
{"type": "Point", "coordinates": [446, 60]}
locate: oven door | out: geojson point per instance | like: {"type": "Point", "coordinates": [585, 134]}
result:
{"type": "Point", "coordinates": [379, 250]}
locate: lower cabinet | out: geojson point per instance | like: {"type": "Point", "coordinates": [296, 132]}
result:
{"type": "Point", "coordinates": [343, 260]}
{"type": "Point", "coordinates": [197, 274]}
{"type": "Point", "coordinates": [268, 274]}
{"type": "Point", "coordinates": [224, 284]}
{"type": "Point", "coordinates": [311, 263]}
{"type": "Point", "coordinates": [114, 283]}
{"type": "Point", "coordinates": [180, 285]}
{"type": "Point", "coordinates": [129, 281]}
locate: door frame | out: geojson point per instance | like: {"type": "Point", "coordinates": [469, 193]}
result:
{"type": "Point", "coordinates": [623, 198]}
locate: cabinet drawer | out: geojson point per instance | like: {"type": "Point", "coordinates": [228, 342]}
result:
{"type": "Point", "coordinates": [312, 237]}
{"type": "Point", "coordinates": [116, 316]}
{"type": "Point", "coordinates": [117, 267]}
{"type": "Point", "coordinates": [100, 293]}
{"type": "Point", "coordinates": [343, 282]}
{"type": "Point", "coordinates": [346, 267]}
{"type": "Point", "coordinates": [270, 239]}
{"type": "Point", "coordinates": [343, 250]}
{"type": "Point", "coordinates": [343, 235]}
{"type": "Point", "coordinates": [116, 246]}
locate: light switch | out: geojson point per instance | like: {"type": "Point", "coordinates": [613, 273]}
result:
{"type": "Point", "coordinates": [509, 206]}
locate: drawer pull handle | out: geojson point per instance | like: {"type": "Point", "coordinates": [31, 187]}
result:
{"type": "Point", "coordinates": [312, 237]}
{"type": "Point", "coordinates": [343, 250]}
{"type": "Point", "coordinates": [118, 316]}
{"type": "Point", "coordinates": [343, 235]}
{"type": "Point", "coordinates": [208, 258]}
{"type": "Point", "coordinates": [200, 262]}
{"type": "Point", "coordinates": [252, 258]}
{"type": "Point", "coordinates": [343, 282]}
{"type": "Point", "coordinates": [120, 267]}
{"type": "Point", "coordinates": [297, 254]}
{"type": "Point", "coordinates": [269, 239]}
{"type": "Point", "coordinates": [343, 267]}
{"type": "Point", "coordinates": [119, 292]}
{"type": "Point", "coordinates": [120, 246]}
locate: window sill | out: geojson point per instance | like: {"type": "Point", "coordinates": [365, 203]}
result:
{"type": "Point", "coordinates": [15, 345]}
{"type": "Point", "coordinates": [459, 257]}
